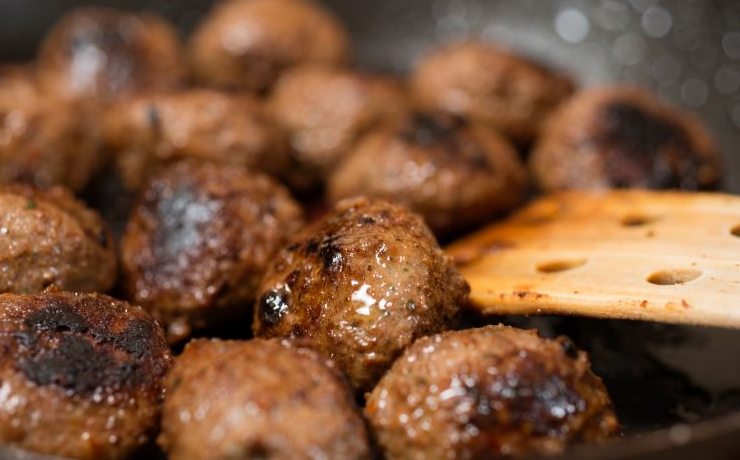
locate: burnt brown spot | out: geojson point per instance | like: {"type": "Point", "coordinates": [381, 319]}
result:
{"type": "Point", "coordinates": [273, 305]}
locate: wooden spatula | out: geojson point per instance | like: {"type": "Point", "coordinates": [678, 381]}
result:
{"type": "Point", "coordinates": [661, 256]}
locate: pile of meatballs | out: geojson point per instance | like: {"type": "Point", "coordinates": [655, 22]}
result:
{"type": "Point", "coordinates": [349, 312]}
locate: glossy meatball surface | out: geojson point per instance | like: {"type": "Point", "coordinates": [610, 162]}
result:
{"type": "Point", "coordinates": [489, 392]}
{"type": "Point", "coordinates": [48, 238]}
{"type": "Point", "coordinates": [81, 375]}
{"type": "Point", "coordinates": [247, 44]}
{"type": "Point", "coordinates": [360, 285]}
{"type": "Point", "coordinates": [491, 85]}
{"type": "Point", "coordinates": [105, 54]}
{"type": "Point", "coordinates": [199, 239]}
{"type": "Point", "coordinates": [455, 174]}
{"type": "Point", "coordinates": [623, 137]}
{"type": "Point", "coordinates": [259, 399]}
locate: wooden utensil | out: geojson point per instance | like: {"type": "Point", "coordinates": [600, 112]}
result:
{"type": "Point", "coordinates": [660, 256]}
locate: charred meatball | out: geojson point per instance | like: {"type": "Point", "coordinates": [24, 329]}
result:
{"type": "Point", "coordinates": [247, 44]}
{"type": "Point", "coordinates": [48, 238]}
{"type": "Point", "coordinates": [326, 110]}
{"type": "Point", "coordinates": [43, 142]}
{"type": "Point", "coordinates": [490, 85]}
{"type": "Point", "coordinates": [453, 173]}
{"type": "Point", "coordinates": [359, 286]}
{"type": "Point", "coordinates": [615, 137]}
{"type": "Point", "coordinates": [148, 131]}
{"type": "Point", "coordinates": [106, 54]}
{"type": "Point", "coordinates": [81, 375]}
{"type": "Point", "coordinates": [488, 392]}
{"type": "Point", "coordinates": [199, 240]}
{"type": "Point", "coordinates": [259, 399]}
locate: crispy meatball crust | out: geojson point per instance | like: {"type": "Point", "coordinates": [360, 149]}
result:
{"type": "Point", "coordinates": [81, 375]}
{"type": "Point", "coordinates": [247, 44]}
{"type": "Point", "coordinates": [488, 392]}
{"type": "Point", "coordinates": [199, 239]}
{"type": "Point", "coordinates": [623, 137]}
{"type": "Point", "coordinates": [259, 399]}
{"type": "Point", "coordinates": [490, 85]}
{"type": "Point", "coordinates": [326, 110]}
{"type": "Point", "coordinates": [148, 131]}
{"type": "Point", "coordinates": [49, 238]}
{"type": "Point", "coordinates": [106, 54]}
{"type": "Point", "coordinates": [453, 173]}
{"type": "Point", "coordinates": [359, 286]}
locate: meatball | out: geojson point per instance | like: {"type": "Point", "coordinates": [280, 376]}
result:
{"type": "Point", "coordinates": [81, 374]}
{"type": "Point", "coordinates": [326, 110]}
{"type": "Point", "coordinates": [615, 137]}
{"type": "Point", "coordinates": [199, 239]}
{"type": "Point", "coordinates": [488, 84]}
{"type": "Point", "coordinates": [359, 286]}
{"type": "Point", "coordinates": [106, 54]}
{"type": "Point", "coordinates": [247, 44]}
{"type": "Point", "coordinates": [453, 173]}
{"type": "Point", "coordinates": [43, 142]}
{"type": "Point", "coordinates": [259, 399]}
{"type": "Point", "coordinates": [147, 131]}
{"type": "Point", "coordinates": [488, 392]}
{"type": "Point", "coordinates": [48, 238]}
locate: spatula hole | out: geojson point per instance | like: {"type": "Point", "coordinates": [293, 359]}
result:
{"type": "Point", "coordinates": [560, 265]}
{"type": "Point", "coordinates": [735, 231]}
{"type": "Point", "coordinates": [637, 220]}
{"type": "Point", "coordinates": [675, 276]}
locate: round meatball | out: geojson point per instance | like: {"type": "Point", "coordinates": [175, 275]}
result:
{"type": "Point", "coordinates": [490, 85]}
{"type": "Point", "coordinates": [259, 399]}
{"type": "Point", "coordinates": [247, 44]}
{"type": "Point", "coordinates": [359, 286]}
{"type": "Point", "coordinates": [44, 142]}
{"type": "Point", "coordinates": [325, 111]}
{"type": "Point", "coordinates": [82, 375]}
{"type": "Point", "coordinates": [48, 238]}
{"type": "Point", "coordinates": [453, 173]}
{"type": "Point", "coordinates": [106, 54]}
{"type": "Point", "coordinates": [147, 131]}
{"type": "Point", "coordinates": [199, 239]}
{"type": "Point", "coordinates": [615, 137]}
{"type": "Point", "coordinates": [488, 392]}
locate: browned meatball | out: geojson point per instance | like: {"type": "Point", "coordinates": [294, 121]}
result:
{"type": "Point", "coordinates": [488, 392]}
{"type": "Point", "coordinates": [247, 44]}
{"type": "Point", "coordinates": [614, 137]}
{"type": "Point", "coordinates": [105, 54]}
{"type": "Point", "coordinates": [81, 375]}
{"type": "Point", "coordinates": [326, 110]}
{"type": "Point", "coordinates": [199, 239]}
{"type": "Point", "coordinates": [453, 173]}
{"type": "Point", "coordinates": [147, 131]}
{"type": "Point", "coordinates": [42, 141]}
{"type": "Point", "coordinates": [259, 399]}
{"type": "Point", "coordinates": [360, 285]}
{"type": "Point", "coordinates": [48, 238]}
{"type": "Point", "coordinates": [488, 84]}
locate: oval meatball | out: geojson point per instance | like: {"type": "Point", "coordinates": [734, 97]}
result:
{"type": "Point", "coordinates": [623, 137]}
{"type": "Point", "coordinates": [48, 238]}
{"type": "Point", "coordinates": [326, 110]}
{"type": "Point", "coordinates": [247, 44]}
{"type": "Point", "coordinates": [490, 85]}
{"type": "Point", "coordinates": [259, 399]}
{"type": "Point", "coordinates": [359, 286]}
{"type": "Point", "coordinates": [453, 173]}
{"type": "Point", "coordinates": [488, 392]}
{"type": "Point", "coordinates": [148, 131]}
{"type": "Point", "coordinates": [105, 54]}
{"type": "Point", "coordinates": [81, 375]}
{"type": "Point", "coordinates": [198, 240]}
{"type": "Point", "coordinates": [44, 142]}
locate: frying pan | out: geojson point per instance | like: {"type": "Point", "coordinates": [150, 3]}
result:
{"type": "Point", "coordinates": [676, 388]}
